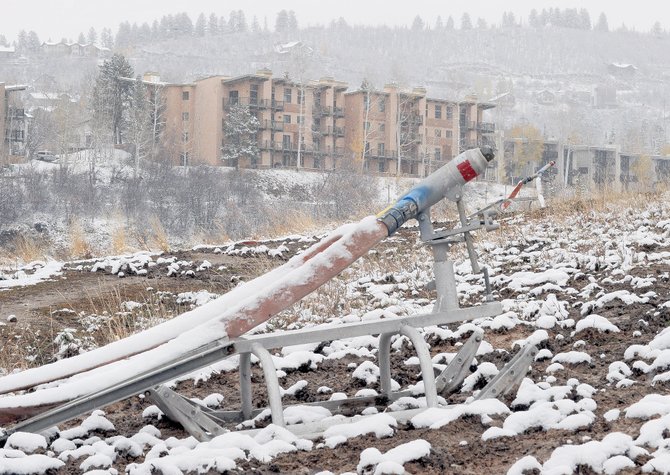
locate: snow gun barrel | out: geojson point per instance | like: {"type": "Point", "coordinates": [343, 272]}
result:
{"type": "Point", "coordinates": [444, 182]}
{"type": "Point", "coordinates": [539, 172]}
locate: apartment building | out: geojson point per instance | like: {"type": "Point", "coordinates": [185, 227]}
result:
{"type": "Point", "coordinates": [393, 130]}
{"type": "Point", "coordinates": [301, 125]}
{"type": "Point", "coordinates": [12, 124]}
{"type": "Point", "coordinates": [317, 124]}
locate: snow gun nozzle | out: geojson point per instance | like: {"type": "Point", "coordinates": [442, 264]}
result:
{"type": "Point", "coordinates": [488, 152]}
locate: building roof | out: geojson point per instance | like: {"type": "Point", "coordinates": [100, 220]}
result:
{"type": "Point", "coordinates": [16, 87]}
{"type": "Point", "coordinates": [245, 77]}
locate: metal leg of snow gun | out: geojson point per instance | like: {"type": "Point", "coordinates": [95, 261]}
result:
{"type": "Point", "coordinates": [510, 375]}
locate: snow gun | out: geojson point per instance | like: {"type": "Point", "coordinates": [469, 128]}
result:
{"type": "Point", "coordinates": [210, 333]}
{"type": "Point", "coordinates": [508, 201]}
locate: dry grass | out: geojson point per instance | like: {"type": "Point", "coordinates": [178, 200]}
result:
{"type": "Point", "coordinates": [27, 249]}
{"type": "Point", "coordinates": [79, 246]}
{"type": "Point", "coordinates": [159, 238]}
{"type": "Point", "coordinates": [291, 221]}
{"type": "Point", "coordinates": [119, 240]}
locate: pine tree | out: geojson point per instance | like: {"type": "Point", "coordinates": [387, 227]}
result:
{"type": "Point", "coordinates": [106, 38]}
{"type": "Point", "coordinates": [602, 23]}
{"type": "Point", "coordinates": [255, 26]}
{"type": "Point", "coordinates": [292, 21]}
{"type": "Point", "coordinates": [281, 24]}
{"type": "Point", "coordinates": [466, 23]}
{"type": "Point", "coordinates": [92, 37]}
{"type": "Point", "coordinates": [33, 42]}
{"type": "Point", "coordinates": [450, 23]}
{"type": "Point", "coordinates": [213, 25]}
{"type": "Point", "coordinates": [200, 25]}
{"type": "Point", "coordinates": [418, 24]}
{"type": "Point", "coordinates": [81, 39]}
{"type": "Point", "coordinates": [112, 95]}
{"type": "Point", "coordinates": [239, 131]}
{"type": "Point", "coordinates": [22, 42]}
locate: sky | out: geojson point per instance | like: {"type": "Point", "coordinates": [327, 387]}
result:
{"type": "Point", "coordinates": [56, 19]}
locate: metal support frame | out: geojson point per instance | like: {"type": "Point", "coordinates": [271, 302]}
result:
{"type": "Point", "coordinates": [195, 418]}
{"type": "Point", "coordinates": [425, 363]}
{"type": "Point", "coordinates": [456, 371]}
{"type": "Point", "coordinates": [510, 375]}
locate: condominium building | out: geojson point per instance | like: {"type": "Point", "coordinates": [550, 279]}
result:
{"type": "Point", "coordinates": [317, 124]}
{"type": "Point", "coordinates": [300, 124]}
{"type": "Point", "coordinates": [393, 130]}
{"type": "Point", "coordinates": [12, 124]}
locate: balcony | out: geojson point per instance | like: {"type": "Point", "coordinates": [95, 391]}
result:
{"type": "Point", "coordinates": [272, 125]}
{"type": "Point", "coordinates": [16, 114]}
{"type": "Point", "coordinates": [252, 103]}
{"type": "Point", "coordinates": [338, 112]}
{"type": "Point", "coordinates": [486, 127]}
{"type": "Point", "coordinates": [319, 110]}
{"type": "Point", "coordinates": [388, 154]}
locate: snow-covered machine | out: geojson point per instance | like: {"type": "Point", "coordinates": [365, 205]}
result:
{"type": "Point", "coordinates": [144, 362]}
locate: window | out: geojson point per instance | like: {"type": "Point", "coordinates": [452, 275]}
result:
{"type": "Point", "coordinates": [382, 166]}
{"type": "Point", "coordinates": [382, 104]}
{"type": "Point", "coordinates": [233, 97]}
{"type": "Point", "coordinates": [184, 116]}
{"type": "Point", "coordinates": [438, 111]}
{"type": "Point", "coordinates": [380, 149]}
{"type": "Point", "coordinates": [183, 156]}
{"type": "Point", "coordinates": [286, 142]}
{"type": "Point", "coordinates": [438, 133]}
{"type": "Point", "coordinates": [287, 118]}
{"type": "Point", "coordinates": [299, 96]}
{"type": "Point", "coordinates": [366, 126]}
{"type": "Point", "coordinates": [253, 94]}
{"type": "Point", "coordinates": [317, 162]}
{"type": "Point", "coordinates": [382, 127]}
{"type": "Point", "coordinates": [438, 154]}
{"type": "Point", "coordinates": [450, 112]}
{"type": "Point", "coordinates": [447, 134]}
{"type": "Point", "coordinates": [184, 95]}
{"type": "Point", "coordinates": [184, 137]}
{"type": "Point", "coordinates": [287, 95]}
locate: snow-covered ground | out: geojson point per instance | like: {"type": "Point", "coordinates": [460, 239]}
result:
{"type": "Point", "coordinates": [590, 288]}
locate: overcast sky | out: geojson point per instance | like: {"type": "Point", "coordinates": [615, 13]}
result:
{"type": "Point", "coordinates": [55, 19]}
